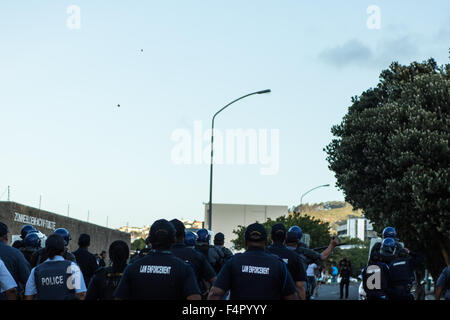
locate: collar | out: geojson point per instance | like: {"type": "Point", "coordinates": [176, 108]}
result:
{"type": "Point", "coordinates": [55, 258]}
{"type": "Point", "coordinates": [291, 248]}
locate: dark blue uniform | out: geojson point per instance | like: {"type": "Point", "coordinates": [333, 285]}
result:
{"type": "Point", "coordinates": [256, 275]}
{"type": "Point", "coordinates": [202, 268]}
{"type": "Point", "coordinates": [401, 276]}
{"type": "Point", "coordinates": [292, 259]}
{"type": "Point", "coordinates": [103, 284]}
{"type": "Point", "coordinates": [375, 280]}
{"type": "Point", "coordinates": [51, 281]}
{"type": "Point", "coordinates": [157, 276]}
{"type": "Point", "coordinates": [16, 264]}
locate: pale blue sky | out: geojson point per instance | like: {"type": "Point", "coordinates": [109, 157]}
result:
{"type": "Point", "coordinates": [62, 135]}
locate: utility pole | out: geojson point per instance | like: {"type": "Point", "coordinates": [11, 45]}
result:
{"type": "Point", "coordinates": [40, 201]}
{"type": "Point", "coordinates": [9, 192]}
{"type": "Point", "coordinates": [68, 209]}
{"type": "Point", "coordinates": [88, 216]}
{"type": "Point", "coordinates": [107, 221]}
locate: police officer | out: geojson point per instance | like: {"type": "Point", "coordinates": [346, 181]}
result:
{"type": "Point", "coordinates": [23, 233]}
{"type": "Point", "coordinates": [254, 274]}
{"type": "Point", "coordinates": [32, 243]}
{"type": "Point", "coordinates": [159, 275]}
{"type": "Point", "coordinates": [85, 260]}
{"type": "Point", "coordinates": [213, 256]}
{"type": "Point", "coordinates": [7, 284]}
{"type": "Point", "coordinates": [219, 244]}
{"type": "Point", "coordinates": [443, 284]}
{"type": "Point", "coordinates": [401, 273]}
{"type": "Point", "coordinates": [106, 279]}
{"type": "Point", "coordinates": [293, 260]}
{"type": "Point", "coordinates": [190, 239]}
{"type": "Point", "coordinates": [388, 232]}
{"type": "Point", "coordinates": [204, 272]}
{"type": "Point", "coordinates": [40, 256]}
{"type": "Point", "coordinates": [55, 278]}
{"type": "Point", "coordinates": [310, 256]}
{"type": "Point", "coordinates": [375, 280]}
{"type": "Point", "coordinates": [14, 261]}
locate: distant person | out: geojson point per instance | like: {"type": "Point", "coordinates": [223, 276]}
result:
{"type": "Point", "coordinates": [443, 285]}
{"type": "Point", "coordinates": [15, 262]}
{"type": "Point", "coordinates": [214, 256]}
{"type": "Point", "coordinates": [345, 271]}
{"type": "Point", "coordinates": [105, 280]}
{"type": "Point", "coordinates": [41, 255]}
{"type": "Point", "coordinates": [23, 233]}
{"type": "Point", "coordinates": [159, 275]}
{"type": "Point", "coordinates": [203, 270]}
{"type": "Point", "coordinates": [102, 262]}
{"type": "Point", "coordinates": [85, 260]}
{"type": "Point", "coordinates": [291, 258]}
{"type": "Point", "coordinates": [311, 278]}
{"type": "Point", "coordinates": [190, 239]}
{"type": "Point", "coordinates": [7, 284]}
{"type": "Point", "coordinates": [31, 244]}
{"type": "Point", "coordinates": [254, 274]}
{"type": "Point", "coordinates": [55, 278]}
{"type": "Point", "coordinates": [219, 243]}
{"type": "Point", "coordinates": [334, 273]}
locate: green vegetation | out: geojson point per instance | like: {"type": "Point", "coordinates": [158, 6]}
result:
{"type": "Point", "coordinates": [391, 157]}
{"type": "Point", "coordinates": [138, 244]}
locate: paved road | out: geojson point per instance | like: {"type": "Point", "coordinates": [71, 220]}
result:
{"type": "Point", "coordinates": [331, 292]}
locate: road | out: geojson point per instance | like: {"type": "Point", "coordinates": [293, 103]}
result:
{"type": "Point", "coordinates": [331, 292]}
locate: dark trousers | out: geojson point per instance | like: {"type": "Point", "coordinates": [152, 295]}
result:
{"type": "Point", "coordinates": [344, 282]}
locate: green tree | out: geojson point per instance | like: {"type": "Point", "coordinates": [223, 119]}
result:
{"type": "Point", "coordinates": [391, 157]}
{"type": "Point", "coordinates": [317, 229]}
{"type": "Point", "coordinates": [138, 244]}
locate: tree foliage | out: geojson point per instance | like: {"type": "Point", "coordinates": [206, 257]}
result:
{"type": "Point", "coordinates": [317, 229]}
{"type": "Point", "coordinates": [391, 156]}
{"type": "Point", "coordinates": [138, 244]}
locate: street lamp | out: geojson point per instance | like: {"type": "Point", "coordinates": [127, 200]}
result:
{"type": "Point", "coordinates": [301, 199]}
{"type": "Point", "coordinates": [212, 150]}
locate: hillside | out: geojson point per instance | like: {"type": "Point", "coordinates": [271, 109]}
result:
{"type": "Point", "coordinates": [333, 212]}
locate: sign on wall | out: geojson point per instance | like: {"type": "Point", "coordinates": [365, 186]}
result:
{"type": "Point", "coordinates": [26, 219]}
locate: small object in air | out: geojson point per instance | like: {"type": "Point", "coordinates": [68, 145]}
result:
{"type": "Point", "coordinates": [118, 105]}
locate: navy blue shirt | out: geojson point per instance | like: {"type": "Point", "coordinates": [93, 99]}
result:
{"type": "Point", "coordinates": [292, 259]}
{"type": "Point", "coordinates": [16, 264]}
{"type": "Point", "coordinates": [157, 276]}
{"type": "Point", "coordinates": [202, 268]}
{"type": "Point", "coordinates": [255, 274]}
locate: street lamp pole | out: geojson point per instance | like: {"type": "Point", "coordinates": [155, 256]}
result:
{"type": "Point", "coordinates": [301, 198]}
{"type": "Point", "coordinates": [212, 151]}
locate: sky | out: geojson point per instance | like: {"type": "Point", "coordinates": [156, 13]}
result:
{"type": "Point", "coordinates": [172, 64]}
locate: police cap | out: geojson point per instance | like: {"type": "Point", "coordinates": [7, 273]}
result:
{"type": "Point", "coordinates": [255, 232]}
{"type": "Point", "coordinates": [55, 241]}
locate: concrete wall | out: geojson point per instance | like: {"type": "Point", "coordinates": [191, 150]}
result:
{"type": "Point", "coordinates": [227, 217]}
{"type": "Point", "coordinates": [16, 215]}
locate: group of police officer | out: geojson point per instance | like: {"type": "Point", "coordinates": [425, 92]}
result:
{"type": "Point", "coordinates": [389, 274]}
{"type": "Point", "coordinates": [183, 265]}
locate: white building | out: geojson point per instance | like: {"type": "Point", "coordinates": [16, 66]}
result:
{"type": "Point", "coordinates": [360, 228]}
{"type": "Point", "coordinates": [227, 217]}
